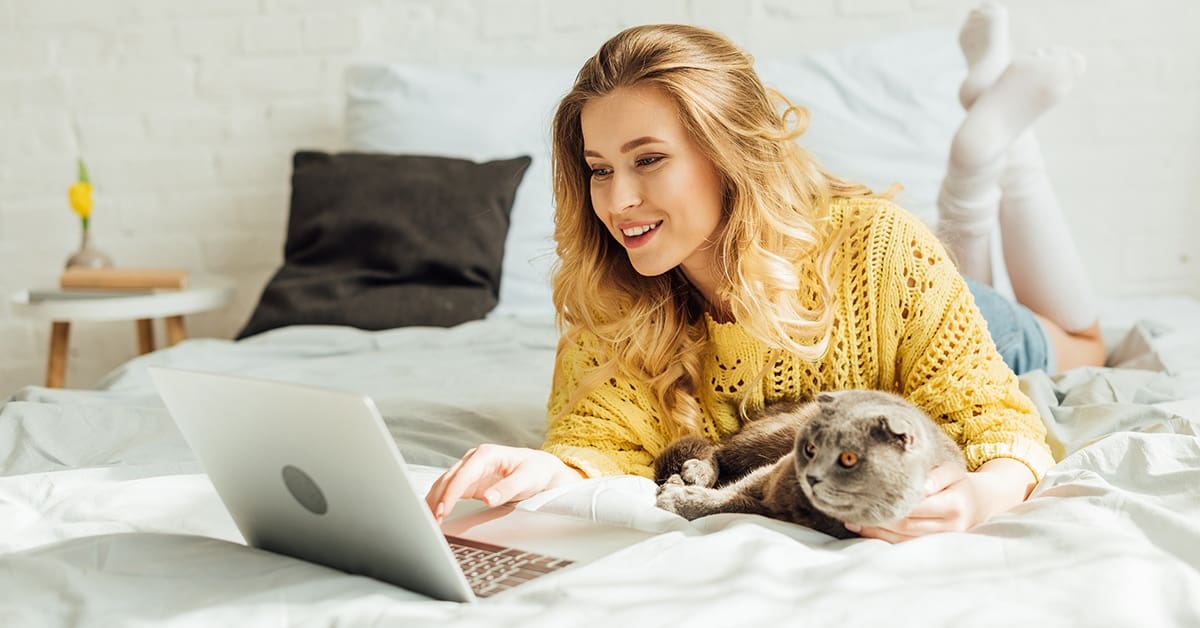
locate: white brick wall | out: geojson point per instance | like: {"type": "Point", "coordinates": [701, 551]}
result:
{"type": "Point", "coordinates": [188, 113]}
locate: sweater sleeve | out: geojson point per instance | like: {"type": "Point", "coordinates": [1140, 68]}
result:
{"type": "Point", "coordinates": [947, 362]}
{"type": "Point", "coordinates": [612, 430]}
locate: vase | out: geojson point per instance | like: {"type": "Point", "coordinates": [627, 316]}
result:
{"type": "Point", "coordinates": [88, 255]}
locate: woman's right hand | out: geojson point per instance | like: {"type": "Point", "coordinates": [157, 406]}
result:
{"type": "Point", "coordinates": [497, 475]}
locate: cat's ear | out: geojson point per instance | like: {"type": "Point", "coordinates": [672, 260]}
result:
{"type": "Point", "coordinates": [897, 429]}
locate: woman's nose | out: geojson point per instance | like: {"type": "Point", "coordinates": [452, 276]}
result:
{"type": "Point", "coordinates": [626, 194]}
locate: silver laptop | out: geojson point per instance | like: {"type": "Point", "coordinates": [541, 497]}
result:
{"type": "Point", "coordinates": [314, 473]}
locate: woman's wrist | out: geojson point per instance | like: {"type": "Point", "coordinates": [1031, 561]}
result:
{"type": "Point", "coordinates": [1003, 483]}
{"type": "Point", "coordinates": [566, 474]}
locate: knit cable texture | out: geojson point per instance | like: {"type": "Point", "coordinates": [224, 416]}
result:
{"type": "Point", "coordinates": [904, 322]}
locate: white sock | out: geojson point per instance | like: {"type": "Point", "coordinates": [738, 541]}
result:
{"type": "Point", "coordinates": [1044, 266]}
{"type": "Point", "coordinates": [967, 208]}
{"type": "Point", "coordinates": [984, 43]}
{"type": "Point", "coordinates": [969, 199]}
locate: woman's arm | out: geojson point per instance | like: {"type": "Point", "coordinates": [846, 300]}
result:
{"type": "Point", "coordinates": [948, 365]}
{"type": "Point", "coordinates": [606, 433]}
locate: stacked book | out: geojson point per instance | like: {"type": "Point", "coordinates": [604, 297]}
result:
{"type": "Point", "coordinates": [92, 283]}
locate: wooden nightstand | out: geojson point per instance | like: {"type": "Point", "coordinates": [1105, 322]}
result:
{"type": "Point", "coordinates": [205, 292]}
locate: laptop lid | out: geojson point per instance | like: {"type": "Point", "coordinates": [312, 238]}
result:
{"type": "Point", "coordinates": [312, 473]}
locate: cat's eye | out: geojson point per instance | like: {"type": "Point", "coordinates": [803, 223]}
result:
{"type": "Point", "coordinates": [810, 449]}
{"type": "Point", "coordinates": [848, 459]}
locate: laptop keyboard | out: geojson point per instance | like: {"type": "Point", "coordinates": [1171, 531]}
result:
{"type": "Point", "coordinates": [491, 569]}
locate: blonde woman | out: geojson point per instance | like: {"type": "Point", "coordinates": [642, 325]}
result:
{"type": "Point", "coordinates": [708, 266]}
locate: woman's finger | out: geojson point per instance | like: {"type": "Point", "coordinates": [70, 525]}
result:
{"type": "Point", "coordinates": [438, 489]}
{"type": "Point", "coordinates": [943, 505]}
{"type": "Point", "coordinates": [464, 483]}
{"type": "Point", "coordinates": [519, 484]}
{"type": "Point", "coordinates": [883, 534]}
{"type": "Point", "coordinates": [913, 527]}
{"type": "Point", "coordinates": [435, 491]}
{"type": "Point", "coordinates": [943, 476]}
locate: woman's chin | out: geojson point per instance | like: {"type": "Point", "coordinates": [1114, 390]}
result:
{"type": "Point", "coordinates": [649, 269]}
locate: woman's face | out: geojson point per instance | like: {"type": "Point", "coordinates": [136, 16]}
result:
{"type": "Point", "coordinates": [657, 194]}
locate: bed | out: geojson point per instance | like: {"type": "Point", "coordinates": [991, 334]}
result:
{"type": "Point", "coordinates": [106, 518]}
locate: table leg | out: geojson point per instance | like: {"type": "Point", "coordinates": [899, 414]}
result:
{"type": "Point", "coordinates": [176, 333]}
{"type": "Point", "coordinates": [56, 368]}
{"type": "Point", "coordinates": [145, 328]}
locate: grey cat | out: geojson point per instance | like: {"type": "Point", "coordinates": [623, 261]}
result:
{"type": "Point", "coordinates": [852, 456]}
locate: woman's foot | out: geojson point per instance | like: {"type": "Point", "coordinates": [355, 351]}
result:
{"type": "Point", "coordinates": [984, 43]}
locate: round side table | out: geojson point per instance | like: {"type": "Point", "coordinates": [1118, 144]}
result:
{"type": "Point", "coordinates": [204, 293]}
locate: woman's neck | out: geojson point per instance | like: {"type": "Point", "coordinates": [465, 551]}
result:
{"type": "Point", "coordinates": [704, 281]}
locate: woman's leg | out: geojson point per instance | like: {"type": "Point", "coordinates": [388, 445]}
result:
{"type": "Point", "coordinates": [969, 199]}
{"type": "Point", "coordinates": [1044, 267]}
{"type": "Point", "coordinates": [1084, 347]}
{"type": "Point", "coordinates": [1020, 338]}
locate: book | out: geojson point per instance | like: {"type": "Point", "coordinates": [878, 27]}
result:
{"type": "Point", "coordinates": [35, 296]}
{"type": "Point", "coordinates": [123, 278]}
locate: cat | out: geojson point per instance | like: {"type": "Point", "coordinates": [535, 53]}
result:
{"type": "Point", "coordinates": [852, 456]}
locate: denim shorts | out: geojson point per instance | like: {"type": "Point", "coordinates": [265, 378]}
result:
{"type": "Point", "coordinates": [1019, 336]}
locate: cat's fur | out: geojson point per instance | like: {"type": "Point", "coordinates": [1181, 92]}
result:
{"type": "Point", "coordinates": [767, 467]}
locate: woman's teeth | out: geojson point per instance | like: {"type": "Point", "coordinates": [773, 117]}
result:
{"type": "Point", "coordinates": [633, 232]}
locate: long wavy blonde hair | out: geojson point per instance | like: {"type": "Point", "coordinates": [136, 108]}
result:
{"type": "Point", "coordinates": [776, 204]}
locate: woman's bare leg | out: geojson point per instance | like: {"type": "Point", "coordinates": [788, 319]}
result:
{"type": "Point", "coordinates": [1084, 347]}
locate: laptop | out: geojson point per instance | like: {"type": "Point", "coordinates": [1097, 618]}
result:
{"type": "Point", "coordinates": [315, 474]}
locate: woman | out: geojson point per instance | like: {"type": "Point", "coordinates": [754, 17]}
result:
{"type": "Point", "coordinates": [708, 266]}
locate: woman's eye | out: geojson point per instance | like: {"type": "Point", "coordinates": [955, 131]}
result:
{"type": "Point", "coordinates": [810, 449]}
{"type": "Point", "coordinates": [646, 161]}
{"type": "Point", "coordinates": [848, 459]}
{"type": "Point", "coordinates": [600, 173]}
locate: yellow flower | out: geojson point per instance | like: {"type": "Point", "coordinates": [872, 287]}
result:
{"type": "Point", "coordinates": [80, 195]}
{"type": "Point", "coordinates": [81, 199]}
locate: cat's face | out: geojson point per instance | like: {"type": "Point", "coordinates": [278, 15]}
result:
{"type": "Point", "coordinates": [857, 460]}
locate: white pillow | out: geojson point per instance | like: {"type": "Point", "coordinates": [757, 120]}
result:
{"type": "Point", "coordinates": [479, 114]}
{"type": "Point", "coordinates": [881, 112]}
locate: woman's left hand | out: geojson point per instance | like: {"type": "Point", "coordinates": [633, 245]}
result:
{"type": "Point", "coordinates": [958, 501]}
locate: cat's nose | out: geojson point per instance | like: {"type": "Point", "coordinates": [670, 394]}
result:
{"type": "Point", "coordinates": [812, 479]}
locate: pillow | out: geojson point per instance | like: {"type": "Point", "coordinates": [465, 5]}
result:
{"type": "Point", "coordinates": [378, 241]}
{"type": "Point", "coordinates": [883, 112]}
{"type": "Point", "coordinates": [479, 114]}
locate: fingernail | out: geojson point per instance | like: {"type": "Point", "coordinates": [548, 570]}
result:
{"type": "Point", "coordinates": [854, 528]}
{"type": "Point", "coordinates": [439, 511]}
{"type": "Point", "coordinates": [491, 497]}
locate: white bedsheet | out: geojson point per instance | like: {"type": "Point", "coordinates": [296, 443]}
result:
{"type": "Point", "coordinates": [106, 520]}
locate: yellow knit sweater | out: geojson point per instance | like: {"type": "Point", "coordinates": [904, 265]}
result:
{"type": "Point", "coordinates": [904, 322]}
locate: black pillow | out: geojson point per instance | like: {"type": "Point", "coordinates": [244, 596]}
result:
{"type": "Point", "coordinates": [379, 241]}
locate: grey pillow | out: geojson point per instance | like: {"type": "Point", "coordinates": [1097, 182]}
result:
{"type": "Point", "coordinates": [377, 241]}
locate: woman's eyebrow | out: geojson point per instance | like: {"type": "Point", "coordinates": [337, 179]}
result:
{"type": "Point", "coordinates": [632, 144]}
{"type": "Point", "coordinates": [627, 146]}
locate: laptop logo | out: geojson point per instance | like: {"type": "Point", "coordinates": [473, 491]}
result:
{"type": "Point", "coordinates": [305, 490]}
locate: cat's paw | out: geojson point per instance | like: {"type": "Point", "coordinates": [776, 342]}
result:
{"type": "Point", "coordinates": [698, 472]}
{"type": "Point", "coordinates": [674, 479]}
{"type": "Point", "coordinates": [689, 502]}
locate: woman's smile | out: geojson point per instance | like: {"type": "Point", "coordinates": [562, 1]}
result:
{"type": "Point", "coordinates": [637, 234]}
